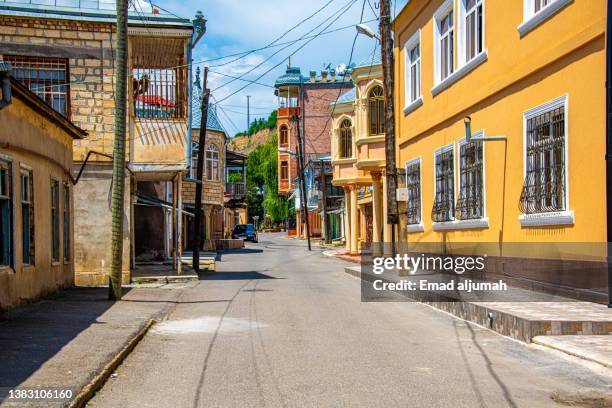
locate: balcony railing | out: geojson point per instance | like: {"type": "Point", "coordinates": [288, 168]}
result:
{"type": "Point", "coordinates": [234, 189]}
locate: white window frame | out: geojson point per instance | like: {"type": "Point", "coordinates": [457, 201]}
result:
{"type": "Point", "coordinates": [420, 227]}
{"type": "Point", "coordinates": [565, 217]}
{"type": "Point", "coordinates": [531, 19]}
{"type": "Point", "coordinates": [482, 222]}
{"type": "Point", "coordinates": [412, 104]}
{"type": "Point", "coordinates": [446, 8]}
{"type": "Point", "coordinates": [444, 149]}
{"type": "Point", "coordinates": [462, 32]}
{"type": "Point", "coordinates": [212, 175]}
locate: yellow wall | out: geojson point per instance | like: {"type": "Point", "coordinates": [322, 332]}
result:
{"type": "Point", "coordinates": [29, 139]}
{"type": "Point", "coordinates": [564, 55]}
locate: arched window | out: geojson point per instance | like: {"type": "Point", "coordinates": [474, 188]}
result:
{"type": "Point", "coordinates": [376, 111]}
{"type": "Point", "coordinates": [345, 145]}
{"type": "Point", "coordinates": [212, 163]}
{"type": "Point", "coordinates": [283, 138]}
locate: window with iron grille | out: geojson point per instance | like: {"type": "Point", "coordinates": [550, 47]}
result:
{"type": "Point", "coordinates": [6, 213]}
{"type": "Point", "coordinates": [27, 216]}
{"type": "Point", "coordinates": [55, 226]}
{"type": "Point", "coordinates": [212, 163]}
{"type": "Point", "coordinates": [47, 77]}
{"type": "Point", "coordinates": [66, 219]}
{"type": "Point", "coordinates": [376, 111]}
{"type": "Point", "coordinates": [544, 189]}
{"type": "Point", "coordinates": [159, 92]}
{"type": "Point", "coordinates": [444, 201]}
{"type": "Point", "coordinates": [413, 185]}
{"type": "Point", "coordinates": [345, 140]}
{"type": "Point", "coordinates": [470, 203]}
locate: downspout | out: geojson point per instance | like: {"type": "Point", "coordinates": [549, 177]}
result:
{"type": "Point", "coordinates": [5, 77]}
{"type": "Point", "coordinates": [609, 145]}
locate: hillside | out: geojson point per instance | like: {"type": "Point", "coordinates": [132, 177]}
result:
{"type": "Point", "coordinates": [246, 144]}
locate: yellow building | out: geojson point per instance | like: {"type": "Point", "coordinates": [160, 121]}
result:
{"type": "Point", "coordinates": [531, 77]}
{"type": "Point", "coordinates": [358, 156]}
{"type": "Point", "coordinates": [36, 195]}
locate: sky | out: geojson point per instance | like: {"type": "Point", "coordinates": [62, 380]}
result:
{"type": "Point", "coordinates": [236, 26]}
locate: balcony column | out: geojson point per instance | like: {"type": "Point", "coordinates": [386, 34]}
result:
{"type": "Point", "coordinates": [386, 226]}
{"type": "Point", "coordinates": [347, 218]}
{"type": "Point", "coordinates": [354, 221]}
{"type": "Point", "coordinates": [377, 203]}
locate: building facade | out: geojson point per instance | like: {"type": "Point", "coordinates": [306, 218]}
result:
{"type": "Point", "coordinates": [358, 157]}
{"type": "Point", "coordinates": [304, 105]}
{"type": "Point", "coordinates": [529, 79]}
{"type": "Point", "coordinates": [36, 196]}
{"type": "Point", "coordinates": [64, 52]}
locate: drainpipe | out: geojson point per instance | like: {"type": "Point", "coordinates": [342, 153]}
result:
{"type": "Point", "coordinates": [5, 77]}
{"type": "Point", "coordinates": [609, 145]}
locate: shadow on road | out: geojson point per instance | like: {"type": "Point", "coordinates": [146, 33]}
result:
{"type": "Point", "coordinates": [242, 275]}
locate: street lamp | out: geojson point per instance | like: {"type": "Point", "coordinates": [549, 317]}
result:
{"type": "Point", "coordinates": [287, 151]}
{"type": "Point", "coordinates": [367, 31]}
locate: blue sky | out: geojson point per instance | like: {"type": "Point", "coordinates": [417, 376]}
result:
{"type": "Point", "coordinates": [239, 25]}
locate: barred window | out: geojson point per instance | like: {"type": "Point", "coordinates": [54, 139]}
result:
{"type": "Point", "coordinates": [545, 184]}
{"type": "Point", "coordinates": [346, 140]}
{"type": "Point", "coordinates": [376, 111]}
{"type": "Point", "coordinates": [55, 226]}
{"type": "Point", "coordinates": [6, 213]}
{"type": "Point", "coordinates": [444, 201]}
{"type": "Point", "coordinates": [413, 185]}
{"type": "Point", "coordinates": [470, 202]}
{"type": "Point", "coordinates": [159, 92]}
{"type": "Point", "coordinates": [47, 77]}
{"type": "Point", "coordinates": [27, 216]}
{"type": "Point", "coordinates": [212, 163]}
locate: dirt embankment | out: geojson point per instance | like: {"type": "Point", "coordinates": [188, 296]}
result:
{"type": "Point", "coordinates": [246, 144]}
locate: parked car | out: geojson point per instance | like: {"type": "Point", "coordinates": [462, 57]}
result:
{"type": "Point", "coordinates": [246, 232]}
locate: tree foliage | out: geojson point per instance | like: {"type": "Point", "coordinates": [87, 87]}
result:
{"type": "Point", "coordinates": [259, 124]}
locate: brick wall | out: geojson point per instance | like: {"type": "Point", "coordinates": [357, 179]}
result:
{"type": "Point", "coordinates": [212, 192]}
{"type": "Point", "coordinates": [318, 123]}
{"type": "Point", "coordinates": [89, 50]}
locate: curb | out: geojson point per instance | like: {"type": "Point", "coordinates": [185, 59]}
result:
{"type": "Point", "coordinates": [88, 391]}
{"type": "Point", "coordinates": [571, 352]}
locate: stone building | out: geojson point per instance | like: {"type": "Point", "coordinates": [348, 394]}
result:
{"type": "Point", "coordinates": [308, 99]}
{"type": "Point", "coordinates": [36, 195]}
{"type": "Point", "coordinates": [65, 54]}
{"type": "Point", "coordinates": [358, 157]}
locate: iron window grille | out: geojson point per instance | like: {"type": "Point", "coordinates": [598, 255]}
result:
{"type": "Point", "coordinates": [55, 226]}
{"type": "Point", "coordinates": [376, 111]}
{"type": "Point", "coordinates": [346, 140]}
{"type": "Point", "coordinates": [470, 201]}
{"type": "Point", "coordinates": [47, 77]}
{"type": "Point", "coordinates": [544, 187]}
{"type": "Point", "coordinates": [6, 213]}
{"type": "Point", "coordinates": [413, 185]}
{"type": "Point", "coordinates": [444, 202]}
{"type": "Point", "coordinates": [27, 217]}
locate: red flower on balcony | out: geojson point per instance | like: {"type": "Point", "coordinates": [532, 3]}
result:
{"type": "Point", "coordinates": [155, 100]}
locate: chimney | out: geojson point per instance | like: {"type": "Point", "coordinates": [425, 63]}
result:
{"type": "Point", "coordinates": [324, 75]}
{"type": "Point", "coordinates": [332, 74]}
{"type": "Point", "coordinates": [313, 76]}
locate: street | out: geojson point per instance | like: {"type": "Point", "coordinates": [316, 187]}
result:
{"type": "Point", "coordinates": [279, 326]}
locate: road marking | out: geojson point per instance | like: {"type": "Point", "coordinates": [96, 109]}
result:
{"type": "Point", "coordinates": [206, 324]}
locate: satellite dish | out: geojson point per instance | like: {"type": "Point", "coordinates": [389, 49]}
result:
{"type": "Point", "coordinates": [341, 68]}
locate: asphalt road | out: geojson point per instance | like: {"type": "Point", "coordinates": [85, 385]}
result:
{"type": "Point", "coordinates": [280, 326]}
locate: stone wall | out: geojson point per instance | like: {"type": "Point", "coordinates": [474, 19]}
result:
{"type": "Point", "coordinates": [212, 192]}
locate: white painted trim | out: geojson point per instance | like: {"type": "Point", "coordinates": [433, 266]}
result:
{"type": "Point", "coordinates": [544, 219]}
{"type": "Point", "coordinates": [532, 20]}
{"type": "Point", "coordinates": [413, 105]}
{"type": "Point", "coordinates": [24, 166]}
{"type": "Point", "coordinates": [444, 149]}
{"type": "Point", "coordinates": [408, 163]}
{"type": "Point", "coordinates": [415, 227]}
{"type": "Point", "coordinates": [412, 42]}
{"type": "Point", "coordinates": [563, 100]}
{"type": "Point", "coordinates": [461, 224]}
{"type": "Point", "coordinates": [461, 72]}
{"type": "Point", "coordinates": [6, 158]}
{"type": "Point", "coordinates": [480, 133]}
{"type": "Point", "coordinates": [461, 32]}
{"type": "Point", "coordinates": [440, 13]}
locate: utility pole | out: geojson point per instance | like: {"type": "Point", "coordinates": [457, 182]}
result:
{"type": "Point", "coordinates": [118, 181]}
{"type": "Point", "coordinates": [387, 64]}
{"type": "Point", "coordinates": [197, 225]}
{"type": "Point", "coordinates": [300, 154]}
{"type": "Point", "coordinates": [248, 114]}
{"type": "Point", "coordinates": [323, 189]}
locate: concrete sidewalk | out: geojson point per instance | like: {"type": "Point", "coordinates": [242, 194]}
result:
{"type": "Point", "coordinates": [74, 340]}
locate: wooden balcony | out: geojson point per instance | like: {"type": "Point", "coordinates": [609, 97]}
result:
{"type": "Point", "coordinates": [288, 112]}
